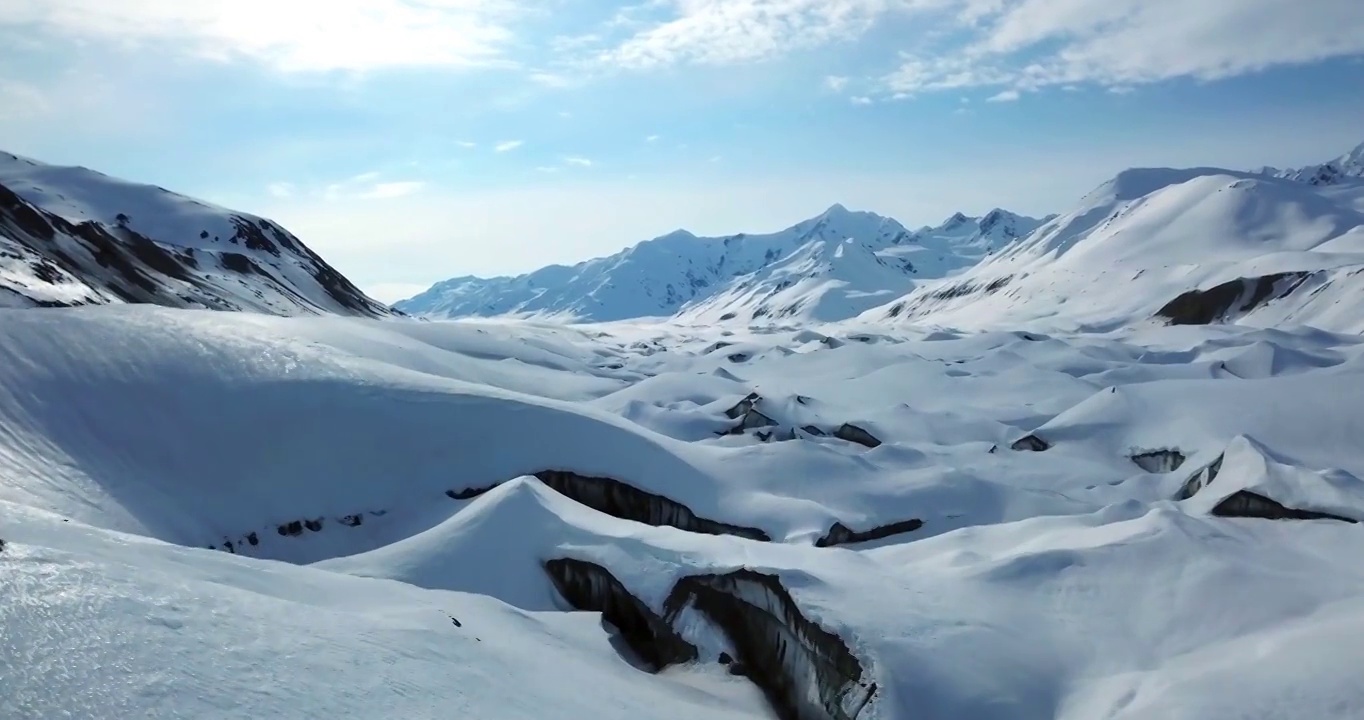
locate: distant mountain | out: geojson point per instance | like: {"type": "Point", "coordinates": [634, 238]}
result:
{"type": "Point", "coordinates": [73, 236]}
{"type": "Point", "coordinates": [1347, 167]}
{"type": "Point", "coordinates": [829, 267]}
{"type": "Point", "coordinates": [1196, 245]}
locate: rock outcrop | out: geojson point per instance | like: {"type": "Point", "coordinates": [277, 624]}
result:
{"type": "Point", "coordinates": [1230, 299]}
{"type": "Point", "coordinates": [840, 534]}
{"type": "Point", "coordinates": [617, 499]}
{"type": "Point", "coordinates": [1248, 504]}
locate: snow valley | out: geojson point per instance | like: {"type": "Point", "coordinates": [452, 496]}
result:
{"type": "Point", "coordinates": [1097, 465]}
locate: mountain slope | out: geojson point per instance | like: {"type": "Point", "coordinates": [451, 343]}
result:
{"type": "Point", "coordinates": [1194, 245]}
{"type": "Point", "coordinates": [827, 268]}
{"type": "Point", "coordinates": [72, 236]}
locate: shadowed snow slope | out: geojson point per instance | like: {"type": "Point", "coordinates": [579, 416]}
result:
{"type": "Point", "coordinates": [72, 236]}
{"type": "Point", "coordinates": [1126, 568]}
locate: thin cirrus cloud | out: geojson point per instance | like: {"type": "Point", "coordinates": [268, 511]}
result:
{"type": "Point", "coordinates": [508, 145]}
{"type": "Point", "coordinates": [289, 36]}
{"type": "Point", "coordinates": [1010, 44]}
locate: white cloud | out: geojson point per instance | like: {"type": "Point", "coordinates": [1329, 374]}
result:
{"type": "Point", "coordinates": [861, 100]}
{"type": "Point", "coordinates": [651, 138]}
{"type": "Point", "coordinates": [1028, 44]}
{"type": "Point", "coordinates": [836, 82]}
{"type": "Point", "coordinates": [466, 144]}
{"type": "Point", "coordinates": [718, 32]}
{"type": "Point", "coordinates": [579, 161]}
{"type": "Point", "coordinates": [1003, 96]}
{"type": "Point", "coordinates": [288, 35]}
{"type": "Point", "coordinates": [380, 191]}
{"type": "Point", "coordinates": [508, 145]}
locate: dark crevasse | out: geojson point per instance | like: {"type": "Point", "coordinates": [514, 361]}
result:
{"type": "Point", "coordinates": [1200, 479]}
{"type": "Point", "coordinates": [629, 503]}
{"type": "Point", "coordinates": [840, 534]}
{"type": "Point", "coordinates": [1245, 503]}
{"type": "Point", "coordinates": [591, 587]}
{"type": "Point", "coordinates": [805, 671]}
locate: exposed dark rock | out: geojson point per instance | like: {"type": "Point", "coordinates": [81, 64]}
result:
{"type": "Point", "coordinates": [468, 493]}
{"type": "Point", "coordinates": [590, 587]}
{"type": "Point", "coordinates": [291, 528]}
{"type": "Point", "coordinates": [1031, 443]}
{"type": "Point", "coordinates": [855, 434]}
{"type": "Point", "coordinates": [725, 658]}
{"type": "Point", "coordinates": [617, 499]}
{"type": "Point", "coordinates": [352, 520]}
{"type": "Point", "coordinates": [803, 400]}
{"type": "Point", "coordinates": [228, 545]}
{"type": "Point", "coordinates": [238, 263]}
{"type": "Point", "coordinates": [1159, 461]}
{"type": "Point", "coordinates": [1200, 479]}
{"type": "Point", "coordinates": [804, 670]}
{"type": "Point", "coordinates": [313, 525]}
{"type": "Point", "coordinates": [812, 430]}
{"type": "Point", "coordinates": [2, 545]}
{"type": "Point", "coordinates": [253, 538]}
{"type": "Point", "coordinates": [743, 406]}
{"type": "Point", "coordinates": [1226, 301]}
{"type": "Point", "coordinates": [1245, 503]}
{"type": "Point", "coordinates": [739, 357]}
{"type": "Point", "coordinates": [840, 534]}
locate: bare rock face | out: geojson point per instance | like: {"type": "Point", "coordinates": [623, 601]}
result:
{"type": "Point", "coordinates": [806, 672]}
{"type": "Point", "coordinates": [617, 499]}
{"type": "Point", "coordinates": [1159, 461]}
{"type": "Point", "coordinates": [1245, 503]}
{"type": "Point", "coordinates": [840, 534]}
{"type": "Point", "coordinates": [591, 587]}
{"type": "Point", "coordinates": [1226, 301]}
{"type": "Point", "coordinates": [1031, 443]}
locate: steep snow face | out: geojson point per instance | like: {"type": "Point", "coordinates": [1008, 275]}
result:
{"type": "Point", "coordinates": [1148, 236]}
{"type": "Point", "coordinates": [830, 267]}
{"type": "Point", "coordinates": [72, 236]}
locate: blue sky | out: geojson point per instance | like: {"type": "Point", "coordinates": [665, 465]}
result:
{"type": "Point", "coordinates": [413, 140]}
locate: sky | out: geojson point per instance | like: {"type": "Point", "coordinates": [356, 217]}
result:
{"type": "Point", "coordinates": [410, 141]}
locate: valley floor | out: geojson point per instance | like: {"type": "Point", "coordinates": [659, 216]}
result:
{"type": "Point", "coordinates": [227, 515]}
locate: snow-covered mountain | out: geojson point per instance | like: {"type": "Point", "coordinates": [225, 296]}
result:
{"type": "Point", "coordinates": [1349, 166]}
{"type": "Point", "coordinates": [1186, 246]}
{"type": "Point", "coordinates": [73, 236]}
{"type": "Point", "coordinates": [829, 267]}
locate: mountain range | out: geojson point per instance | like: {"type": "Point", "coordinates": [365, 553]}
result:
{"type": "Point", "coordinates": [830, 267]}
